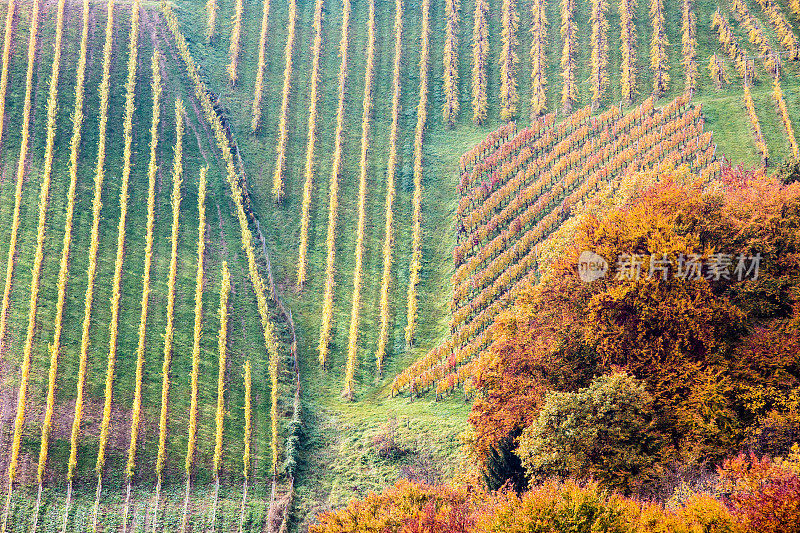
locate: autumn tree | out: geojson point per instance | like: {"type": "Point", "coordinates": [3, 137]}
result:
{"type": "Point", "coordinates": [704, 343]}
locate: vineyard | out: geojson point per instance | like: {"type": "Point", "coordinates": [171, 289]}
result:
{"type": "Point", "coordinates": [517, 188]}
{"type": "Point", "coordinates": [209, 207]}
{"type": "Point", "coordinates": [127, 366]}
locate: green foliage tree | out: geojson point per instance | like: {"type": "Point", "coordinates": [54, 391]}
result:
{"type": "Point", "coordinates": [603, 431]}
{"type": "Point", "coordinates": [503, 467]}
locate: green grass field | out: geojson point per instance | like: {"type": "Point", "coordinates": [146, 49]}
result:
{"type": "Point", "coordinates": [339, 460]}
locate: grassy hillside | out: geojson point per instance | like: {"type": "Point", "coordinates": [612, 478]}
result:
{"type": "Point", "coordinates": [245, 341]}
{"type": "Point", "coordinates": [339, 457]}
{"type": "Point", "coordinates": [329, 453]}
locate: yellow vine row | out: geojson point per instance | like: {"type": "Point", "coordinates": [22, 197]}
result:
{"type": "Point", "coordinates": [211, 20]}
{"type": "Point", "coordinates": [237, 194]}
{"type": "Point", "coordinates": [794, 5]}
{"type": "Point", "coordinates": [755, 34]}
{"type": "Point", "coordinates": [169, 332]}
{"type": "Point", "coordinates": [327, 299]}
{"type": "Point", "coordinates": [569, 32]}
{"type": "Point", "coordinates": [198, 319]}
{"type": "Point", "coordinates": [37, 262]}
{"type": "Point", "coordinates": [391, 170]}
{"type": "Point", "coordinates": [754, 123]}
{"type": "Point", "coordinates": [94, 243]}
{"type": "Point", "coordinates": [627, 13]}
{"type": "Point", "coordinates": [689, 45]}
{"type": "Point", "coordinates": [508, 62]}
{"type": "Point", "coordinates": [116, 291]}
{"type": "Point", "coordinates": [222, 346]}
{"type": "Point", "coordinates": [152, 171]}
{"type": "Point", "coordinates": [283, 124]}
{"type": "Point", "coordinates": [599, 56]}
{"type": "Point", "coordinates": [731, 45]}
{"type": "Point", "coordinates": [480, 54]}
{"type": "Point", "coordinates": [782, 28]}
{"type": "Point", "coordinates": [310, 147]}
{"type": "Point", "coordinates": [451, 106]}
{"type": "Point", "coordinates": [780, 101]}
{"type": "Point", "coordinates": [258, 92]}
{"type": "Point", "coordinates": [234, 49]}
{"type": "Point", "coordinates": [52, 111]}
{"type": "Point", "coordinates": [538, 58]}
{"type": "Point", "coordinates": [717, 71]}
{"type": "Point", "coordinates": [416, 217]}
{"type": "Point", "coordinates": [352, 345]}
{"type": "Point", "coordinates": [659, 62]}
{"type": "Point", "coordinates": [6, 57]}
{"type": "Point", "coordinates": [248, 424]}
{"type": "Point", "coordinates": [75, 141]}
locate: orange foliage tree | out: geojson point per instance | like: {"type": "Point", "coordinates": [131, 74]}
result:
{"type": "Point", "coordinates": [692, 340]}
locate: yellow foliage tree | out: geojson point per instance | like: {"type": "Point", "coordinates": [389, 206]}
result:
{"type": "Point", "coordinates": [75, 141]}
{"type": "Point", "coordinates": [599, 56]}
{"type": "Point", "coordinates": [12, 4]}
{"type": "Point", "coordinates": [659, 62]}
{"type": "Point", "coordinates": [211, 19]}
{"type": "Point", "coordinates": [152, 170]}
{"type": "Point", "coordinates": [26, 357]}
{"type": "Point", "coordinates": [116, 291]}
{"type": "Point", "coordinates": [191, 443]}
{"type": "Point", "coordinates": [198, 319]}
{"type": "Point", "coordinates": [248, 424]}
{"type": "Point", "coordinates": [222, 346]}
{"type": "Point", "coordinates": [569, 32]}
{"type": "Point", "coordinates": [689, 43]}
{"type": "Point", "coordinates": [148, 260]}
{"type": "Point", "coordinates": [21, 163]}
{"type": "Point", "coordinates": [169, 332]}
{"type": "Point", "coordinates": [94, 246]}
{"type": "Point", "coordinates": [627, 9]}
{"type": "Point", "coordinates": [755, 124]}
{"type": "Point", "coordinates": [717, 71]}
{"type": "Point", "coordinates": [783, 112]}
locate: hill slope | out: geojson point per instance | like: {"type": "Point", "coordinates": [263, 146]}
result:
{"type": "Point", "coordinates": [340, 459]}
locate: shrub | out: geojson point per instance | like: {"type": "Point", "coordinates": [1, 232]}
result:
{"type": "Point", "coordinates": [558, 507]}
{"type": "Point", "coordinates": [406, 507]}
{"type": "Point", "coordinates": [602, 431]}
{"type": "Point", "coordinates": [765, 493]}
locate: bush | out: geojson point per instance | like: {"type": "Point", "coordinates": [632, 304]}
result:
{"type": "Point", "coordinates": [564, 507]}
{"type": "Point", "coordinates": [704, 513]}
{"type": "Point", "coordinates": [763, 492]}
{"type": "Point", "coordinates": [558, 507]}
{"type": "Point", "coordinates": [603, 431]}
{"type": "Point", "coordinates": [404, 508]}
